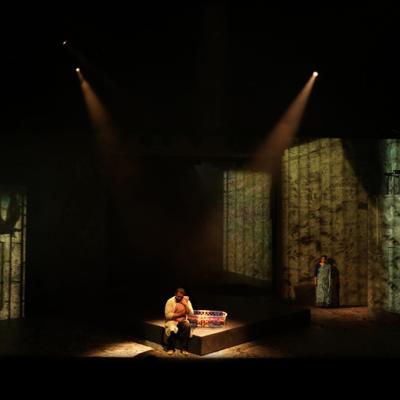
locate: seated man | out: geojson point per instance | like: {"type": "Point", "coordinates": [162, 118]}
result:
{"type": "Point", "coordinates": [177, 325]}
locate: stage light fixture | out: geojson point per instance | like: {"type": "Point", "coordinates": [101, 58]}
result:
{"type": "Point", "coordinates": [315, 73]}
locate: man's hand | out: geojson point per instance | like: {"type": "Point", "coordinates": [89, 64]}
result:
{"type": "Point", "coordinates": [185, 300]}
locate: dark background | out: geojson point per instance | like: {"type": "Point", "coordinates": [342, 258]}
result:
{"type": "Point", "coordinates": [172, 71]}
{"type": "Point", "coordinates": [203, 68]}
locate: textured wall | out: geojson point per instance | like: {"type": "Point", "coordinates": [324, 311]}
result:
{"type": "Point", "coordinates": [325, 211]}
{"type": "Point", "coordinates": [387, 276]}
{"type": "Point", "coordinates": [12, 252]}
{"type": "Point", "coordinates": [247, 224]}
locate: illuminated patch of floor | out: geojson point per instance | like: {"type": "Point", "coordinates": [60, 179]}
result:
{"type": "Point", "coordinates": [124, 349]}
{"type": "Point", "coordinates": [247, 350]}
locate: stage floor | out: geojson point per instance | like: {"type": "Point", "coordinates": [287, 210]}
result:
{"type": "Point", "coordinates": [248, 319]}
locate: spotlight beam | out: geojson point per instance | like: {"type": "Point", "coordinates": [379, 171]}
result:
{"type": "Point", "coordinates": [84, 62]}
{"type": "Point", "coordinates": [268, 160]}
{"type": "Point", "coordinates": [269, 155]}
{"type": "Point", "coordinates": [107, 136]}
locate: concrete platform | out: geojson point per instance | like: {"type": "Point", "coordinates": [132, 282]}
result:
{"type": "Point", "coordinates": [247, 319]}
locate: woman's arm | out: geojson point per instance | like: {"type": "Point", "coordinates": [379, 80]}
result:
{"type": "Point", "coordinates": [316, 269]}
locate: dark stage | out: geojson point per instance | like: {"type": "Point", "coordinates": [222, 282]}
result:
{"type": "Point", "coordinates": [219, 148]}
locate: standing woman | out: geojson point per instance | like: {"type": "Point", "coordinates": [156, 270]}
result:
{"type": "Point", "coordinates": [323, 283]}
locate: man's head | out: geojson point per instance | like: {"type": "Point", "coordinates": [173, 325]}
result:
{"type": "Point", "coordinates": [179, 293]}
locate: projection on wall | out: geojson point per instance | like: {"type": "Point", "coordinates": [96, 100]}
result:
{"type": "Point", "coordinates": [390, 220]}
{"type": "Point", "coordinates": [247, 224]}
{"type": "Point", "coordinates": [12, 252]}
{"type": "Point", "coordinates": [325, 211]}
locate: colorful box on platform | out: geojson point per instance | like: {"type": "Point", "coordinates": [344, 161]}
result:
{"type": "Point", "coordinates": [207, 318]}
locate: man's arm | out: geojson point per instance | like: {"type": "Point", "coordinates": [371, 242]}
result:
{"type": "Point", "coordinates": [188, 306]}
{"type": "Point", "coordinates": [169, 311]}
